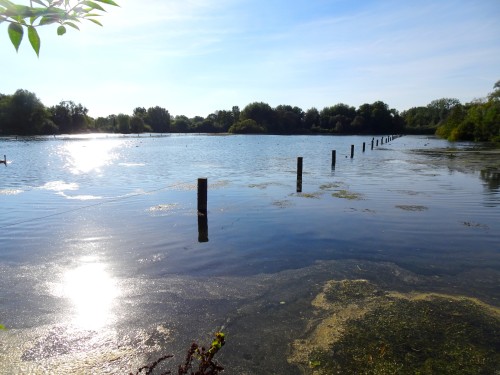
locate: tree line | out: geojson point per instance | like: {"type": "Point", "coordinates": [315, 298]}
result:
{"type": "Point", "coordinates": [22, 113]}
{"type": "Point", "coordinates": [478, 120]}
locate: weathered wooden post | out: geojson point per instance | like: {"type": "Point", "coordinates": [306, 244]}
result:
{"type": "Point", "coordinates": [377, 142]}
{"type": "Point", "coordinates": [352, 151]}
{"type": "Point", "coordinates": [334, 158]}
{"type": "Point", "coordinates": [4, 161]}
{"type": "Point", "coordinates": [299, 174]}
{"type": "Point", "coordinates": [364, 146]}
{"type": "Point", "coordinates": [373, 140]}
{"type": "Point", "coordinates": [381, 141]}
{"type": "Point", "coordinates": [202, 196]}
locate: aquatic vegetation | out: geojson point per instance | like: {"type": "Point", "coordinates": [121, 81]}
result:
{"type": "Point", "coordinates": [375, 332]}
{"type": "Point", "coordinates": [474, 225]}
{"type": "Point", "coordinates": [411, 207]}
{"type": "Point", "coordinates": [196, 354]}
{"type": "Point", "coordinates": [330, 186]}
{"type": "Point", "coordinates": [309, 195]}
{"type": "Point", "coordinates": [282, 203]}
{"type": "Point", "coordinates": [345, 194]}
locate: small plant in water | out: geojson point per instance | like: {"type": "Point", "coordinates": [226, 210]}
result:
{"type": "Point", "coordinates": [196, 357]}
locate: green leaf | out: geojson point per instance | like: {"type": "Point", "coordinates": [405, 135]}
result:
{"type": "Point", "coordinates": [2, 326]}
{"type": "Point", "coordinates": [72, 25]}
{"type": "Point", "coordinates": [95, 21]}
{"type": "Point", "coordinates": [16, 34]}
{"type": "Point", "coordinates": [61, 30]}
{"type": "Point", "coordinates": [48, 20]}
{"type": "Point", "coordinates": [109, 2]}
{"type": "Point", "coordinates": [34, 39]}
{"type": "Point", "coordinates": [6, 3]}
{"type": "Point", "coordinates": [93, 5]}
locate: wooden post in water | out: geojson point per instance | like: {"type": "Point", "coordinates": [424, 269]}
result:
{"type": "Point", "coordinates": [202, 228]}
{"type": "Point", "coordinates": [202, 196]}
{"type": "Point", "coordinates": [334, 158]}
{"type": "Point", "coordinates": [299, 174]}
{"type": "Point", "coordinates": [4, 161]}
{"type": "Point", "coordinates": [352, 151]}
{"type": "Point", "coordinates": [364, 146]}
{"type": "Point", "coordinates": [373, 140]}
{"type": "Point", "coordinates": [377, 142]}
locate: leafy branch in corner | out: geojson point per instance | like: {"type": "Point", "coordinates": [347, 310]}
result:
{"type": "Point", "coordinates": [46, 12]}
{"type": "Point", "coordinates": [195, 355]}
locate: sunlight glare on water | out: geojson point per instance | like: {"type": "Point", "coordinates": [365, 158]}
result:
{"type": "Point", "coordinates": [84, 157]}
{"type": "Point", "coordinates": [92, 291]}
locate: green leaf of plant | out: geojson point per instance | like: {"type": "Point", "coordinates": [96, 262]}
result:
{"type": "Point", "coordinates": [2, 326]}
{"type": "Point", "coordinates": [110, 2]}
{"type": "Point", "coordinates": [6, 3]}
{"type": "Point", "coordinates": [48, 20]}
{"type": "Point", "coordinates": [34, 39]}
{"type": "Point", "coordinates": [95, 21]}
{"type": "Point", "coordinates": [93, 5]}
{"type": "Point", "coordinates": [72, 25]}
{"type": "Point", "coordinates": [16, 34]}
{"type": "Point", "coordinates": [61, 30]}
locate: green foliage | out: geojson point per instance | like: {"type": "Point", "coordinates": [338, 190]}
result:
{"type": "Point", "coordinates": [47, 12]}
{"type": "Point", "coordinates": [248, 126]}
{"type": "Point", "coordinates": [22, 113]}
{"type": "Point", "coordinates": [123, 121]}
{"type": "Point", "coordinates": [69, 117]}
{"type": "Point", "coordinates": [158, 118]}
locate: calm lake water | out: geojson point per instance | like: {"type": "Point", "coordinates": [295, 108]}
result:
{"type": "Point", "coordinates": [103, 265]}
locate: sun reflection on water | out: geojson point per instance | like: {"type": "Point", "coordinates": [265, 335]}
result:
{"type": "Point", "coordinates": [87, 156]}
{"type": "Point", "coordinates": [92, 291]}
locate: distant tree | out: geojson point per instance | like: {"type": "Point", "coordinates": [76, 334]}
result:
{"type": "Point", "coordinates": [289, 119]}
{"type": "Point", "coordinates": [181, 124]}
{"type": "Point", "coordinates": [224, 120]}
{"type": "Point", "coordinates": [137, 125]}
{"type": "Point", "coordinates": [159, 119]}
{"type": "Point", "coordinates": [63, 12]}
{"type": "Point", "coordinates": [23, 114]}
{"type": "Point", "coordinates": [69, 117]}
{"type": "Point", "coordinates": [140, 112]}
{"type": "Point", "coordinates": [495, 94]}
{"type": "Point", "coordinates": [247, 126]}
{"type": "Point", "coordinates": [236, 113]}
{"type": "Point", "coordinates": [311, 118]}
{"type": "Point", "coordinates": [337, 118]}
{"type": "Point", "coordinates": [262, 114]}
{"type": "Point", "coordinates": [123, 123]}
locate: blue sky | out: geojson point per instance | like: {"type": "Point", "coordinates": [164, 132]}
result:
{"type": "Point", "coordinates": [194, 57]}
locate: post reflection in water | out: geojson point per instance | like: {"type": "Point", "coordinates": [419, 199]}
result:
{"type": "Point", "coordinates": [202, 227]}
{"type": "Point", "coordinates": [92, 291]}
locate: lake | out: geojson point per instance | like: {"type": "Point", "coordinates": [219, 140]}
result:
{"type": "Point", "coordinates": [106, 264]}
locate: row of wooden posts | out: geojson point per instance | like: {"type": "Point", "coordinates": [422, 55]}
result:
{"type": "Point", "coordinates": [203, 184]}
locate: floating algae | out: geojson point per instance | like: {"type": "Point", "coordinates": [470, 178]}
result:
{"type": "Point", "coordinates": [345, 194]}
{"type": "Point", "coordinates": [411, 207]}
{"type": "Point", "coordinates": [330, 186]}
{"type": "Point", "coordinates": [368, 331]}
